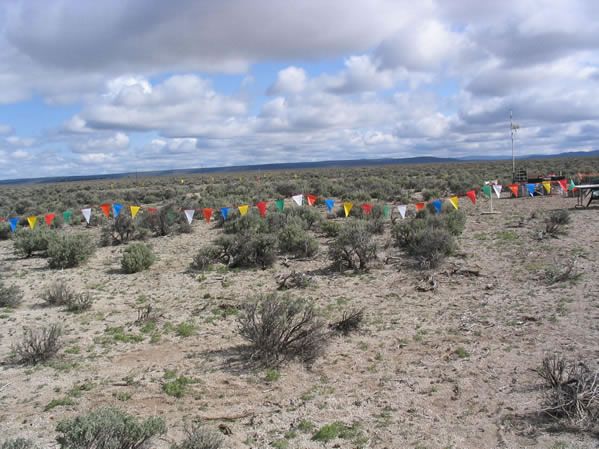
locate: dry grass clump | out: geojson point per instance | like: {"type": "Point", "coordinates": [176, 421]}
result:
{"type": "Point", "coordinates": [554, 224]}
{"type": "Point", "coordinates": [10, 296]}
{"type": "Point", "coordinates": [200, 437]}
{"type": "Point", "coordinates": [350, 321]}
{"type": "Point", "coordinates": [572, 391]}
{"type": "Point", "coordinates": [279, 329]}
{"type": "Point", "coordinates": [38, 345]}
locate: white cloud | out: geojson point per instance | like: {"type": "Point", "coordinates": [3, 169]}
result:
{"type": "Point", "coordinates": [119, 141]}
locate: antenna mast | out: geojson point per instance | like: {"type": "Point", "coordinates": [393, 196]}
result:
{"type": "Point", "coordinates": [513, 128]}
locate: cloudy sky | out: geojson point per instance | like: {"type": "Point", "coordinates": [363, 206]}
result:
{"type": "Point", "coordinates": [123, 85]}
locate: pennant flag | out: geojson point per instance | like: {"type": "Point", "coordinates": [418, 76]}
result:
{"type": "Point", "coordinates": [134, 210]}
{"type": "Point", "coordinates": [299, 199]}
{"type": "Point", "coordinates": [311, 199]}
{"type": "Point", "coordinates": [152, 210]}
{"type": "Point", "coordinates": [455, 202]}
{"type": "Point", "coordinates": [402, 210]}
{"type": "Point", "coordinates": [367, 208]}
{"type": "Point", "coordinates": [487, 190]}
{"type": "Point", "coordinates": [243, 209]}
{"type": "Point", "coordinates": [13, 222]}
{"type": "Point", "coordinates": [497, 188]}
{"type": "Point", "coordinates": [438, 205]}
{"type": "Point", "coordinates": [2, 219]}
{"type": "Point", "coordinates": [572, 186]}
{"type": "Point", "coordinates": [386, 211]}
{"type": "Point", "coordinates": [514, 189]}
{"type": "Point", "coordinates": [87, 214]}
{"type": "Point", "coordinates": [472, 195]}
{"type": "Point", "coordinates": [563, 184]}
{"type": "Point", "coordinates": [280, 204]}
{"type": "Point", "coordinates": [49, 218]}
{"type": "Point", "coordinates": [261, 208]}
{"type": "Point", "coordinates": [329, 204]}
{"type": "Point", "coordinates": [116, 209]}
{"type": "Point", "coordinates": [547, 186]}
{"type": "Point", "coordinates": [106, 209]}
{"type": "Point", "coordinates": [189, 213]}
{"type": "Point", "coordinates": [420, 206]}
{"type": "Point", "coordinates": [66, 215]}
{"type": "Point", "coordinates": [32, 221]}
{"type": "Point", "coordinates": [347, 208]}
{"type": "Point", "coordinates": [224, 211]}
{"type": "Point", "coordinates": [207, 211]}
{"type": "Point", "coordinates": [531, 189]}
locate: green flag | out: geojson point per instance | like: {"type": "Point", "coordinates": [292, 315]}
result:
{"type": "Point", "coordinates": [280, 204]}
{"type": "Point", "coordinates": [487, 190]}
{"type": "Point", "coordinates": [386, 211]}
{"type": "Point", "coordinates": [572, 185]}
{"type": "Point", "coordinates": [67, 214]}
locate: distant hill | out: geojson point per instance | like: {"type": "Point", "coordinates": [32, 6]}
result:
{"type": "Point", "coordinates": [297, 166]}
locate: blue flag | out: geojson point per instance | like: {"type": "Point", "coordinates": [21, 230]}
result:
{"type": "Point", "coordinates": [438, 205]}
{"type": "Point", "coordinates": [330, 204]}
{"type": "Point", "coordinates": [13, 222]}
{"type": "Point", "coordinates": [531, 189]}
{"type": "Point", "coordinates": [116, 209]}
{"type": "Point", "coordinates": [224, 212]}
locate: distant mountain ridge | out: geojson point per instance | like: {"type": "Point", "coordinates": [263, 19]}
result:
{"type": "Point", "coordinates": [297, 166]}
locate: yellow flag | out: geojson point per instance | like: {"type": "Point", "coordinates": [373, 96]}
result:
{"type": "Point", "coordinates": [182, 181]}
{"type": "Point", "coordinates": [134, 210]}
{"type": "Point", "coordinates": [347, 207]}
{"type": "Point", "coordinates": [547, 186]}
{"type": "Point", "coordinates": [32, 221]}
{"type": "Point", "coordinates": [454, 201]}
{"type": "Point", "coordinates": [243, 209]}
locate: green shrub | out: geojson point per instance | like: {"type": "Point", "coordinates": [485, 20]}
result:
{"type": "Point", "coordinates": [108, 428]}
{"type": "Point", "coordinates": [18, 443]}
{"type": "Point", "coordinates": [330, 228]}
{"type": "Point", "coordinates": [311, 216]}
{"type": "Point", "coordinates": [57, 294]}
{"type": "Point", "coordinates": [429, 245]}
{"type": "Point", "coordinates": [556, 221]}
{"type": "Point", "coordinates": [353, 248]}
{"type": "Point", "coordinates": [247, 250]}
{"type": "Point", "coordinates": [205, 257]}
{"type": "Point", "coordinates": [296, 241]}
{"type": "Point", "coordinates": [79, 302]}
{"type": "Point", "coordinates": [200, 437]}
{"type": "Point", "coordinates": [69, 250]}
{"type": "Point", "coordinates": [38, 345]}
{"type": "Point", "coordinates": [168, 220]}
{"type": "Point", "coordinates": [248, 223]}
{"type": "Point", "coordinates": [279, 329]}
{"type": "Point", "coordinates": [10, 296]}
{"type": "Point", "coordinates": [137, 257]}
{"type": "Point", "coordinates": [27, 241]}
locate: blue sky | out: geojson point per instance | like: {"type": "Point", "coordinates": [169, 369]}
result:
{"type": "Point", "coordinates": [104, 87]}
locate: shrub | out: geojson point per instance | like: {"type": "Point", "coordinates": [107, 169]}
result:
{"type": "Point", "coordinates": [80, 302]}
{"type": "Point", "coordinates": [309, 215]}
{"type": "Point", "coordinates": [28, 241]}
{"type": "Point", "coordinates": [279, 329]}
{"type": "Point", "coordinates": [137, 257]}
{"type": "Point", "coordinates": [556, 221]}
{"type": "Point", "coordinates": [69, 250]}
{"type": "Point", "coordinates": [353, 248]}
{"type": "Point", "coordinates": [10, 296]}
{"type": "Point", "coordinates": [206, 256]}
{"type": "Point", "coordinates": [5, 231]}
{"type": "Point", "coordinates": [429, 247]}
{"type": "Point", "coordinates": [108, 428]}
{"type": "Point", "coordinates": [350, 321]}
{"type": "Point", "coordinates": [199, 437]}
{"type": "Point", "coordinates": [294, 240]}
{"type": "Point", "coordinates": [168, 220]}
{"type": "Point", "coordinates": [247, 250]}
{"type": "Point", "coordinates": [58, 294]}
{"type": "Point", "coordinates": [250, 222]}
{"type": "Point", "coordinates": [18, 443]}
{"type": "Point", "coordinates": [38, 345]}
{"type": "Point", "coordinates": [330, 228]}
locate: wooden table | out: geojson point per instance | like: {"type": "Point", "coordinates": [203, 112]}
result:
{"type": "Point", "coordinates": [585, 191]}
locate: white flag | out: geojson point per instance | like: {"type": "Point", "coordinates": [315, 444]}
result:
{"type": "Point", "coordinates": [189, 214]}
{"type": "Point", "coordinates": [497, 188]}
{"type": "Point", "coordinates": [402, 210]}
{"type": "Point", "coordinates": [87, 214]}
{"type": "Point", "coordinates": [299, 199]}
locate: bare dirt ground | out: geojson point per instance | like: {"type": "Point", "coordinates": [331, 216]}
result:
{"type": "Point", "coordinates": [446, 368]}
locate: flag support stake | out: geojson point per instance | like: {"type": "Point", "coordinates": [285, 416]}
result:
{"type": "Point", "coordinates": [490, 211]}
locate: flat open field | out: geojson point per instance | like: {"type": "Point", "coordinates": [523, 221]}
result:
{"type": "Point", "coordinates": [444, 367]}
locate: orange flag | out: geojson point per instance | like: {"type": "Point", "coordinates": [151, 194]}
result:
{"type": "Point", "coordinates": [49, 218]}
{"type": "Point", "coordinates": [106, 209]}
{"type": "Point", "coordinates": [472, 195]}
{"type": "Point", "coordinates": [207, 211]}
{"type": "Point", "coordinates": [514, 189]}
{"type": "Point", "coordinates": [261, 208]}
{"type": "Point", "coordinates": [311, 199]}
{"type": "Point", "coordinates": [420, 206]}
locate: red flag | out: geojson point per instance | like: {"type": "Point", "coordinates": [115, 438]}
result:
{"type": "Point", "coordinates": [563, 184]}
{"type": "Point", "coordinates": [420, 206]}
{"type": "Point", "coordinates": [49, 218]}
{"type": "Point", "coordinates": [207, 211]}
{"type": "Point", "coordinates": [261, 208]}
{"type": "Point", "coordinates": [472, 195]}
{"type": "Point", "coordinates": [311, 199]}
{"type": "Point", "coordinates": [367, 208]}
{"type": "Point", "coordinates": [2, 219]}
{"type": "Point", "coordinates": [514, 189]}
{"type": "Point", "coordinates": [106, 209]}
{"type": "Point", "coordinates": [152, 210]}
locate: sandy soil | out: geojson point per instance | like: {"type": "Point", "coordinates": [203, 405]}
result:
{"type": "Point", "coordinates": [449, 368]}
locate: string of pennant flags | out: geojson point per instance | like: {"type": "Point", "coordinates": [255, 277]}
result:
{"type": "Point", "coordinates": [116, 208]}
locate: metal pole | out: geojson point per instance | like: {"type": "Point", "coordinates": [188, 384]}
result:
{"type": "Point", "coordinates": [513, 158]}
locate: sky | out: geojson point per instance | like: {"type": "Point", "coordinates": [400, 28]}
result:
{"type": "Point", "coordinates": [89, 87]}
